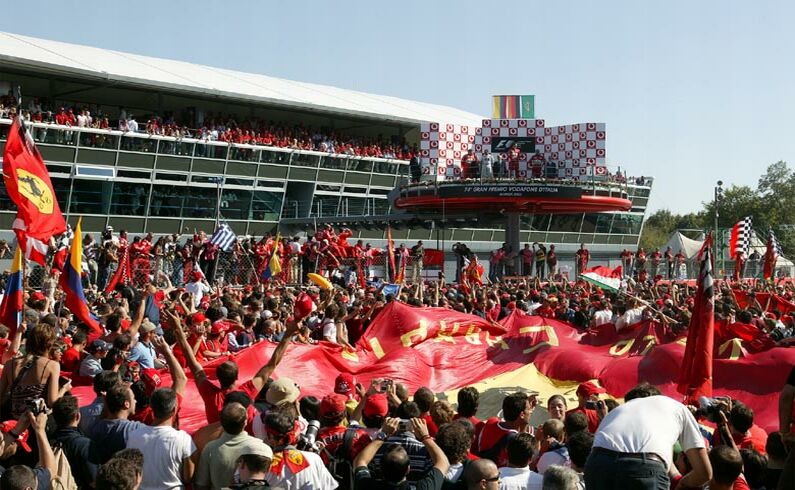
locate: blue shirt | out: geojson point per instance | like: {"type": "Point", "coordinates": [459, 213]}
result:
{"type": "Point", "coordinates": [111, 435]}
{"type": "Point", "coordinates": [143, 354]}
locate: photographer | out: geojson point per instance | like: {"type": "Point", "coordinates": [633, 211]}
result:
{"type": "Point", "coordinates": [292, 468]}
{"type": "Point", "coordinates": [395, 465]}
{"type": "Point", "coordinates": [20, 477]}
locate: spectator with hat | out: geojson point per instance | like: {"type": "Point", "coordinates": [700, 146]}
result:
{"type": "Point", "coordinates": [253, 466]}
{"type": "Point", "coordinates": [92, 364]}
{"type": "Point", "coordinates": [340, 441]}
{"type": "Point", "coordinates": [587, 398]}
{"type": "Point", "coordinates": [143, 351]}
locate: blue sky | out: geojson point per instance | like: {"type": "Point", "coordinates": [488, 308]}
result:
{"type": "Point", "coordinates": [691, 92]}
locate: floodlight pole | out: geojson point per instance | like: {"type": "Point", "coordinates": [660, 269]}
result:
{"type": "Point", "coordinates": [718, 249]}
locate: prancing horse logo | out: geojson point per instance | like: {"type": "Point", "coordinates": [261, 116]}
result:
{"type": "Point", "coordinates": [35, 190]}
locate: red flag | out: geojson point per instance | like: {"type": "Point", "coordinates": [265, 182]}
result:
{"type": "Point", "coordinates": [28, 185]}
{"type": "Point", "coordinates": [771, 255]}
{"type": "Point", "coordinates": [122, 274]}
{"type": "Point", "coordinates": [695, 373]}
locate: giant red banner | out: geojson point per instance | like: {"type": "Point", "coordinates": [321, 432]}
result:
{"type": "Point", "coordinates": [445, 350]}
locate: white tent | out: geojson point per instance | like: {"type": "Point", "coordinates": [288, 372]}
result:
{"type": "Point", "coordinates": [690, 248]}
{"type": "Point", "coordinates": [680, 243]}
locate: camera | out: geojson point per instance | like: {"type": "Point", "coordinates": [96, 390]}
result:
{"type": "Point", "coordinates": [36, 406]}
{"type": "Point", "coordinates": [404, 425]}
{"type": "Point", "coordinates": [308, 440]}
{"type": "Point", "coordinates": [709, 408]}
{"type": "Point", "coordinates": [385, 384]}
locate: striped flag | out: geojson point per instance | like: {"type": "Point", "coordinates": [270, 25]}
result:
{"type": "Point", "coordinates": [513, 106]}
{"type": "Point", "coordinates": [122, 274]}
{"type": "Point", "coordinates": [274, 264]}
{"type": "Point", "coordinates": [72, 284]}
{"type": "Point", "coordinates": [740, 239]}
{"type": "Point", "coordinates": [695, 374]}
{"type": "Point", "coordinates": [224, 237]}
{"type": "Point", "coordinates": [13, 301]}
{"type": "Point", "coordinates": [771, 255]}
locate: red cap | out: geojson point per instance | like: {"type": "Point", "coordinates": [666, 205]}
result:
{"type": "Point", "coordinates": [151, 378]}
{"type": "Point", "coordinates": [37, 296]}
{"type": "Point", "coordinates": [376, 405]}
{"type": "Point", "coordinates": [8, 426]}
{"type": "Point", "coordinates": [218, 327]}
{"type": "Point", "coordinates": [332, 406]}
{"type": "Point", "coordinates": [588, 389]}
{"type": "Point", "coordinates": [197, 318]}
{"type": "Point", "coordinates": [344, 384]}
{"type": "Point", "coordinates": [196, 275]}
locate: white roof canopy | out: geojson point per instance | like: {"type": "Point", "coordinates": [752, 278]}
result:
{"type": "Point", "coordinates": [102, 64]}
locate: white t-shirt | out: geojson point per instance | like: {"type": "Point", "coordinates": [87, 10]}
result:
{"type": "Point", "coordinates": [313, 477]}
{"type": "Point", "coordinates": [602, 317]}
{"type": "Point", "coordinates": [649, 425]}
{"type": "Point", "coordinates": [520, 479]}
{"type": "Point", "coordinates": [454, 472]}
{"type": "Point", "coordinates": [330, 330]}
{"type": "Point", "coordinates": [559, 457]}
{"type": "Point", "coordinates": [164, 448]}
{"type": "Point", "coordinates": [198, 289]}
{"type": "Point", "coordinates": [630, 317]}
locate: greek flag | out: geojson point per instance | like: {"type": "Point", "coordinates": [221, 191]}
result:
{"type": "Point", "coordinates": [223, 237]}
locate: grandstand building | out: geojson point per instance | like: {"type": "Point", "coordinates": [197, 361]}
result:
{"type": "Point", "coordinates": [146, 182]}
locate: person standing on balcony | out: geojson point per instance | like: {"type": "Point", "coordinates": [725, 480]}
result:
{"type": "Point", "coordinates": [656, 257]}
{"type": "Point", "coordinates": [626, 262]}
{"type": "Point", "coordinates": [527, 260]}
{"type": "Point", "coordinates": [552, 262]}
{"type": "Point", "coordinates": [486, 166]}
{"type": "Point", "coordinates": [513, 161]}
{"type": "Point", "coordinates": [541, 258]}
{"type": "Point", "coordinates": [581, 259]}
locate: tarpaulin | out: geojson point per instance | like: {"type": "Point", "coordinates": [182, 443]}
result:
{"type": "Point", "coordinates": [445, 350]}
{"type": "Point", "coordinates": [433, 258]}
{"type": "Point", "coordinates": [767, 301]}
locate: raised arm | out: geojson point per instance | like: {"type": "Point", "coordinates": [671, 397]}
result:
{"type": "Point", "coordinates": [420, 429]}
{"type": "Point", "coordinates": [195, 368]}
{"type": "Point", "coordinates": [265, 371]}
{"type": "Point", "coordinates": [368, 453]}
{"type": "Point", "coordinates": [139, 312]}
{"type": "Point", "coordinates": [179, 380]}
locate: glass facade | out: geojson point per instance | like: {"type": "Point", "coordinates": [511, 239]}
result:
{"type": "Point", "coordinates": [174, 183]}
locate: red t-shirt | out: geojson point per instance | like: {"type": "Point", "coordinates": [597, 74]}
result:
{"type": "Point", "coordinates": [70, 361]}
{"type": "Point", "coordinates": [213, 397]}
{"type": "Point", "coordinates": [147, 416]}
{"type": "Point", "coordinates": [432, 428]}
{"type": "Point", "coordinates": [591, 415]}
{"type": "Point", "coordinates": [489, 435]}
{"type": "Point", "coordinates": [332, 438]}
{"type": "Point", "coordinates": [756, 438]}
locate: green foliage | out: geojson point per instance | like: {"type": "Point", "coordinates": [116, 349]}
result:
{"type": "Point", "coordinates": [772, 205]}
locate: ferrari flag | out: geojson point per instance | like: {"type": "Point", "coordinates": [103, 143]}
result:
{"type": "Point", "coordinates": [29, 187]}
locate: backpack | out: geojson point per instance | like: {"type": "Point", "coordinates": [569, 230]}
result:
{"type": "Point", "coordinates": [339, 464]}
{"type": "Point", "coordinates": [62, 479]}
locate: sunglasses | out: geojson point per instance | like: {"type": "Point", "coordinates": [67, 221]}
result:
{"type": "Point", "coordinates": [495, 478]}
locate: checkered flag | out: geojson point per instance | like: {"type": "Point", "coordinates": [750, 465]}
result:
{"type": "Point", "coordinates": [771, 255]}
{"type": "Point", "coordinates": [224, 237]}
{"type": "Point", "coordinates": [774, 245]}
{"type": "Point", "coordinates": [740, 240]}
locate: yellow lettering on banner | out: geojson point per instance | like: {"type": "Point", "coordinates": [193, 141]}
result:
{"type": "Point", "coordinates": [737, 348]}
{"type": "Point", "coordinates": [621, 347]}
{"type": "Point", "coordinates": [350, 355]}
{"type": "Point", "coordinates": [445, 334]}
{"type": "Point", "coordinates": [651, 341]}
{"type": "Point", "coordinates": [472, 335]}
{"type": "Point", "coordinates": [551, 335]}
{"type": "Point", "coordinates": [421, 332]}
{"type": "Point", "coordinates": [496, 340]}
{"type": "Point", "coordinates": [377, 349]}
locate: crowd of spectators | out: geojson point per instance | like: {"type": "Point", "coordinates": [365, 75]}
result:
{"type": "Point", "coordinates": [224, 128]}
{"type": "Point", "coordinates": [263, 432]}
